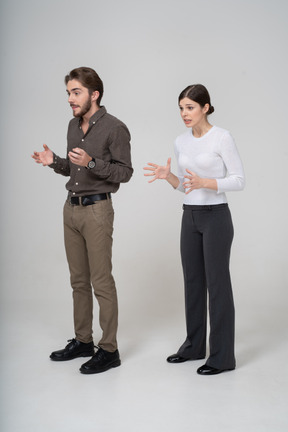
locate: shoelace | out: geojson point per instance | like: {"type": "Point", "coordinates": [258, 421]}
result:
{"type": "Point", "coordinates": [71, 341]}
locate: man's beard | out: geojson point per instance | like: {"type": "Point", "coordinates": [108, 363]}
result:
{"type": "Point", "coordinates": [84, 109]}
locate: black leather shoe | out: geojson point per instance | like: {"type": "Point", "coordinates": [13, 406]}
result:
{"type": "Point", "coordinates": [176, 358]}
{"type": "Point", "coordinates": [101, 362]}
{"type": "Point", "coordinates": [73, 350]}
{"type": "Point", "coordinates": [208, 370]}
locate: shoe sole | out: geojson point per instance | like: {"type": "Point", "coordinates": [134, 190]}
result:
{"type": "Point", "coordinates": [87, 354]}
{"type": "Point", "coordinates": [90, 372]}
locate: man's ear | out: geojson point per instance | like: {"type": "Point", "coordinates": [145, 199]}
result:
{"type": "Point", "coordinates": [95, 95]}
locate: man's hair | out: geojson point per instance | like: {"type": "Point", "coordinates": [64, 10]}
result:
{"type": "Point", "coordinates": [89, 79]}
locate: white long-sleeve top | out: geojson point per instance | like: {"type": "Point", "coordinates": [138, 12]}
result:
{"type": "Point", "coordinates": [212, 156]}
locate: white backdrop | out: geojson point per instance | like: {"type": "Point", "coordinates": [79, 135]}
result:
{"type": "Point", "coordinates": [146, 53]}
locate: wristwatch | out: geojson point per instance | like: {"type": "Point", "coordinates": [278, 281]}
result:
{"type": "Point", "coordinates": [91, 164]}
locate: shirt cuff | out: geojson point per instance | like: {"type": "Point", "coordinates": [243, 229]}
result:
{"type": "Point", "coordinates": [55, 161]}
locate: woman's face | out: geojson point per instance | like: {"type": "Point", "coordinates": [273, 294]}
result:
{"type": "Point", "coordinates": [192, 113]}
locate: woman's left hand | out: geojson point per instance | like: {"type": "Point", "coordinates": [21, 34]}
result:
{"type": "Point", "coordinates": [193, 181]}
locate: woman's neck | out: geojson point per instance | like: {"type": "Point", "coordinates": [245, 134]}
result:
{"type": "Point", "coordinates": [201, 130]}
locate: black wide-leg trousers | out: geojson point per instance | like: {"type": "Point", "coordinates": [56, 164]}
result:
{"type": "Point", "coordinates": [206, 238]}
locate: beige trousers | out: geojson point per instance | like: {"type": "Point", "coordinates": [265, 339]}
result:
{"type": "Point", "coordinates": [88, 242]}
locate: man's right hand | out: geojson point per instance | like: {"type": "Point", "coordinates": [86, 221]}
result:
{"type": "Point", "coordinates": [45, 157]}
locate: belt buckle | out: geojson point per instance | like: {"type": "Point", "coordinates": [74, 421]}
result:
{"type": "Point", "coordinates": [85, 201]}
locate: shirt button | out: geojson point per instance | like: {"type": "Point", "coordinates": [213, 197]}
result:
{"type": "Point", "coordinates": [93, 122]}
{"type": "Point", "coordinates": [82, 140]}
{"type": "Point", "coordinates": [79, 169]}
{"type": "Point", "coordinates": [76, 184]}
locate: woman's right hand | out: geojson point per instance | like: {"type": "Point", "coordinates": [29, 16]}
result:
{"type": "Point", "coordinates": [158, 171]}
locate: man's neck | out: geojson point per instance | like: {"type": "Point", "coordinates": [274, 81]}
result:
{"type": "Point", "coordinates": [89, 114]}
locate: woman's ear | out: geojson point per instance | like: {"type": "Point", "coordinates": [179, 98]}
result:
{"type": "Point", "coordinates": [206, 108]}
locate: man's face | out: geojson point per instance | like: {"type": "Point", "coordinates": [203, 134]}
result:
{"type": "Point", "coordinates": [79, 98]}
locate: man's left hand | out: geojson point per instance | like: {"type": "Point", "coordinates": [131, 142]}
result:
{"type": "Point", "coordinates": [79, 157]}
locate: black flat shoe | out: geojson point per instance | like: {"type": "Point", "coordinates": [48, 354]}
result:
{"type": "Point", "coordinates": [73, 350]}
{"type": "Point", "coordinates": [176, 358]}
{"type": "Point", "coordinates": [101, 362]}
{"type": "Point", "coordinates": [208, 370]}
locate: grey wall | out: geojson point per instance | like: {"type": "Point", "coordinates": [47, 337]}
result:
{"type": "Point", "coordinates": [146, 53]}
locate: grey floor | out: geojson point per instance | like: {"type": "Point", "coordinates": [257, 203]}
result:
{"type": "Point", "coordinates": [145, 393]}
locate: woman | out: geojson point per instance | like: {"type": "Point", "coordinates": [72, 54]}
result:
{"type": "Point", "coordinates": [208, 166]}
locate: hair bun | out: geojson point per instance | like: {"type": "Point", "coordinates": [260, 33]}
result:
{"type": "Point", "coordinates": [211, 109]}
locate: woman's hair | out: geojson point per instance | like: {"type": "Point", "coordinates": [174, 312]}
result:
{"type": "Point", "coordinates": [199, 94]}
{"type": "Point", "coordinates": [89, 79]}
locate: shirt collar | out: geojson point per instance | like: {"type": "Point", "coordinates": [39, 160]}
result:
{"type": "Point", "coordinates": [95, 117]}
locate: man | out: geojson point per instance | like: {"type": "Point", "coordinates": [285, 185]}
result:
{"type": "Point", "coordinates": [98, 160]}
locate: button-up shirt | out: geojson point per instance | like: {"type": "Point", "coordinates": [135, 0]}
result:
{"type": "Point", "coordinates": [107, 140]}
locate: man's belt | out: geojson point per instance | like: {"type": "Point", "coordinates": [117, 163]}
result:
{"type": "Point", "coordinates": [88, 199]}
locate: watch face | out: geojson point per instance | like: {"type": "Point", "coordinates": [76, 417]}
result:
{"type": "Point", "coordinates": [91, 164]}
